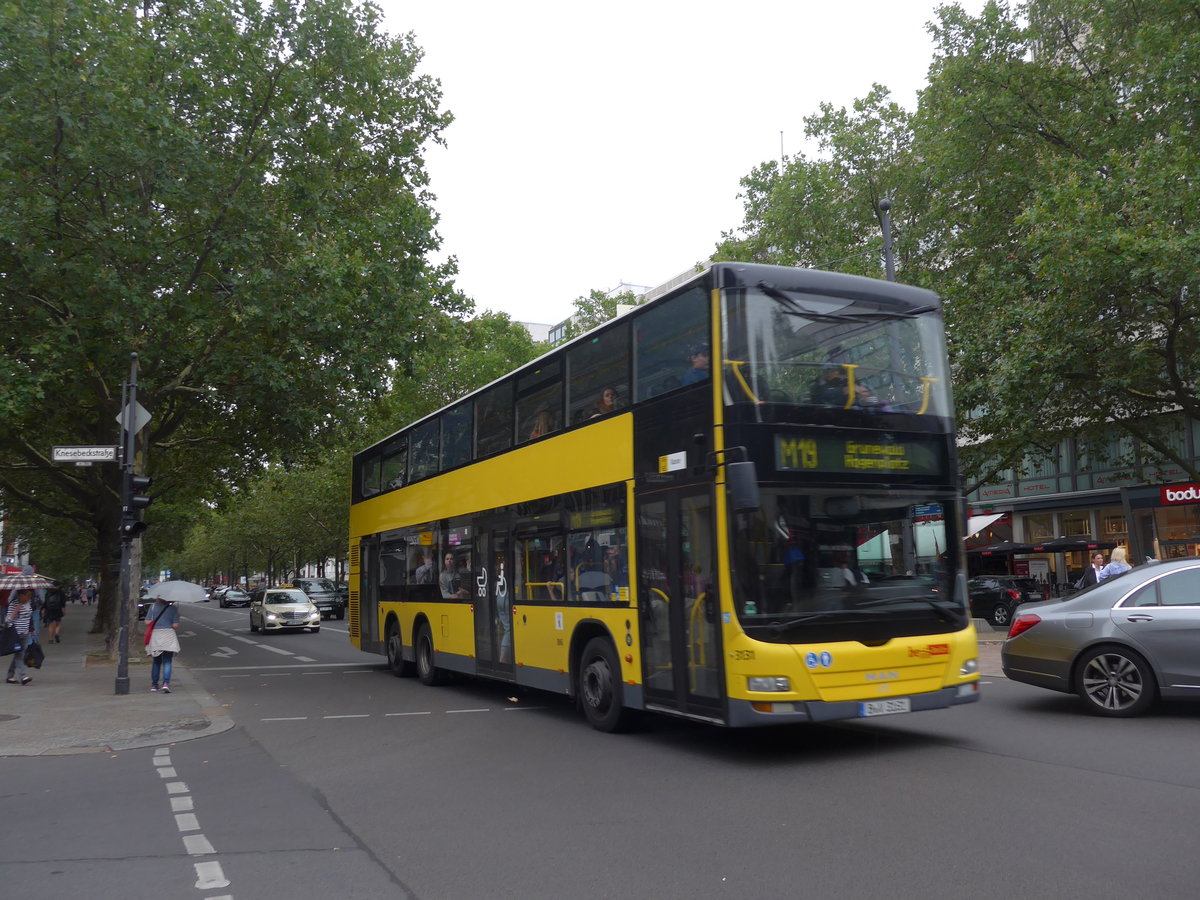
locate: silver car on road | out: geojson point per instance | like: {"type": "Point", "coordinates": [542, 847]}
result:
{"type": "Point", "coordinates": [1119, 645]}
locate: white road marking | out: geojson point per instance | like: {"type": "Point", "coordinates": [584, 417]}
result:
{"type": "Point", "coordinates": [328, 665]}
{"type": "Point", "coordinates": [197, 845]}
{"type": "Point", "coordinates": [182, 804]}
{"type": "Point", "coordinates": [226, 653]}
{"type": "Point", "coordinates": [466, 710]}
{"type": "Point", "coordinates": [209, 876]}
{"type": "Point", "coordinates": [286, 719]}
{"type": "Point", "coordinates": [177, 787]}
{"type": "Point", "coordinates": [167, 772]}
{"type": "Point", "coordinates": [304, 659]}
{"type": "Point", "coordinates": [187, 822]}
{"type": "Point", "coordinates": [422, 713]}
{"type": "Point", "coordinates": [355, 716]}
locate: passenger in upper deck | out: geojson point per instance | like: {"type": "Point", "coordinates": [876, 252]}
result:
{"type": "Point", "coordinates": [543, 424]}
{"type": "Point", "coordinates": [606, 404]}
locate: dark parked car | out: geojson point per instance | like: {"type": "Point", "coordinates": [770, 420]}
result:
{"type": "Point", "coordinates": [996, 597]}
{"type": "Point", "coordinates": [324, 594]}
{"type": "Point", "coordinates": [1120, 644]}
{"type": "Point", "coordinates": [233, 597]}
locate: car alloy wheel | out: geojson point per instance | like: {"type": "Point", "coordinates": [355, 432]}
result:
{"type": "Point", "coordinates": [1114, 681]}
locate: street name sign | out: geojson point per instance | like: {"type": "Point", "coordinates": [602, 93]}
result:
{"type": "Point", "coordinates": [84, 454]}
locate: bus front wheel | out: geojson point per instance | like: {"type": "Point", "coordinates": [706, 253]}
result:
{"type": "Point", "coordinates": [395, 652]}
{"type": "Point", "coordinates": [600, 691]}
{"type": "Point", "coordinates": [427, 672]}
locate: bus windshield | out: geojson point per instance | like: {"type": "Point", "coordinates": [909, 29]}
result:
{"type": "Point", "coordinates": [846, 564]}
{"type": "Point", "coordinates": [835, 353]}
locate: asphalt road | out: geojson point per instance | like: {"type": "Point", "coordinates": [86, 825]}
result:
{"type": "Point", "coordinates": [343, 781]}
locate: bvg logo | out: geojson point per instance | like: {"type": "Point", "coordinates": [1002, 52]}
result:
{"type": "Point", "coordinates": [929, 650]}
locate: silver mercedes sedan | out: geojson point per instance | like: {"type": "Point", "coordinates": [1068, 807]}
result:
{"type": "Point", "coordinates": [1119, 645]}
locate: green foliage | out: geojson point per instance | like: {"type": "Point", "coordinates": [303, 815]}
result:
{"type": "Point", "coordinates": [289, 517]}
{"type": "Point", "coordinates": [595, 309]}
{"type": "Point", "coordinates": [233, 190]}
{"type": "Point", "coordinates": [1044, 188]}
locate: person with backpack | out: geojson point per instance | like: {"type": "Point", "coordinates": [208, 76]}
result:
{"type": "Point", "coordinates": [54, 607]}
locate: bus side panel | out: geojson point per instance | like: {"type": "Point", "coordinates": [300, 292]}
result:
{"type": "Point", "coordinates": [597, 454]}
{"type": "Point", "coordinates": [542, 637]}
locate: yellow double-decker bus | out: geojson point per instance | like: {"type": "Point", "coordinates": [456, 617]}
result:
{"type": "Point", "coordinates": [736, 503]}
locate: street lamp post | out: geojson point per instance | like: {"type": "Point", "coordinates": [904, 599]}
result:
{"type": "Point", "coordinates": [889, 262]}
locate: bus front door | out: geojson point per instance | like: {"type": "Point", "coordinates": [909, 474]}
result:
{"type": "Point", "coordinates": [677, 603]}
{"type": "Point", "coordinates": [493, 593]}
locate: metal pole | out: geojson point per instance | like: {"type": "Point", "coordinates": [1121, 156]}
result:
{"type": "Point", "coordinates": [122, 685]}
{"type": "Point", "coordinates": [889, 262]}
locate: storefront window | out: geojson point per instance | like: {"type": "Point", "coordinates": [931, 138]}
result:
{"type": "Point", "coordinates": [1112, 525]}
{"type": "Point", "coordinates": [1077, 525]}
{"type": "Point", "coordinates": [1039, 527]}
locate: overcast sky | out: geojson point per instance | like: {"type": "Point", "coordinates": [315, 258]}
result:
{"type": "Point", "coordinates": [601, 143]}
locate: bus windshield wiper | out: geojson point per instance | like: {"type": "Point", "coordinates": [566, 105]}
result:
{"type": "Point", "coordinates": [780, 627]}
{"type": "Point", "coordinates": [795, 308]}
{"type": "Point", "coordinates": [938, 606]}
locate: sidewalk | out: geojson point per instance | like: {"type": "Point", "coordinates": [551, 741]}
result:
{"type": "Point", "coordinates": [72, 705]}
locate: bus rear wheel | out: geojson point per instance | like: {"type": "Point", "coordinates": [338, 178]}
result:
{"type": "Point", "coordinates": [427, 672]}
{"type": "Point", "coordinates": [395, 652]}
{"type": "Point", "coordinates": [600, 691]}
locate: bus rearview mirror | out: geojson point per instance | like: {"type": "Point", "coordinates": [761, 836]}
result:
{"type": "Point", "coordinates": [743, 486]}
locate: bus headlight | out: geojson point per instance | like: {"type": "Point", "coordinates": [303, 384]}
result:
{"type": "Point", "coordinates": [772, 683]}
{"type": "Point", "coordinates": [970, 667]}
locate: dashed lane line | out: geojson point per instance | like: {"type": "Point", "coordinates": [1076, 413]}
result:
{"type": "Point", "coordinates": [323, 665]}
{"type": "Point", "coordinates": [209, 875]}
{"type": "Point", "coordinates": [423, 712]}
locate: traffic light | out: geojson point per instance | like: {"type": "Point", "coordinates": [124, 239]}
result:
{"type": "Point", "coordinates": [136, 500]}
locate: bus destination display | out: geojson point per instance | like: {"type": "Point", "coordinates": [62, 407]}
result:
{"type": "Point", "coordinates": [825, 454]}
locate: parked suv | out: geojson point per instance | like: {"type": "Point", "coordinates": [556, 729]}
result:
{"type": "Point", "coordinates": [324, 594]}
{"type": "Point", "coordinates": [996, 597]}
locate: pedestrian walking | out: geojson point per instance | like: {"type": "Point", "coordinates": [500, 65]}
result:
{"type": "Point", "coordinates": [164, 643]}
{"type": "Point", "coordinates": [21, 615]}
{"type": "Point", "coordinates": [53, 609]}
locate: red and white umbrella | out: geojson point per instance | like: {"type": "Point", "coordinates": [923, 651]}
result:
{"type": "Point", "coordinates": [24, 582]}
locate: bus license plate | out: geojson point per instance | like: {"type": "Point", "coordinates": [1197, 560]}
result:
{"type": "Point", "coordinates": [885, 707]}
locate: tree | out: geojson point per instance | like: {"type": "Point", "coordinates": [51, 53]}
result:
{"type": "Point", "coordinates": [300, 515]}
{"type": "Point", "coordinates": [233, 190]}
{"type": "Point", "coordinates": [1043, 188]}
{"type": "Point", "coordinates": [1066, 169]}
{"type": "Point", "coordinates": [825, 213]}
{"type": "Point", "coordinates": [594, 309]}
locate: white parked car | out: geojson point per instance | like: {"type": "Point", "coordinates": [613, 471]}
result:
{"type": "Point", "coordinates": [283, 609]}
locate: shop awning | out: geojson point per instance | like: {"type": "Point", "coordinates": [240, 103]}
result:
{"type": "Point", "coordinates": [976, 524]}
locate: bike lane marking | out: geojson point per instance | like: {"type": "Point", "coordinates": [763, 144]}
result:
{"type": "Point", "coordinates": [209, 874]}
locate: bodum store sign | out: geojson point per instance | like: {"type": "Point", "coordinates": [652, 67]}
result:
{"type": "Point", "coordinates": [1179, 493]}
